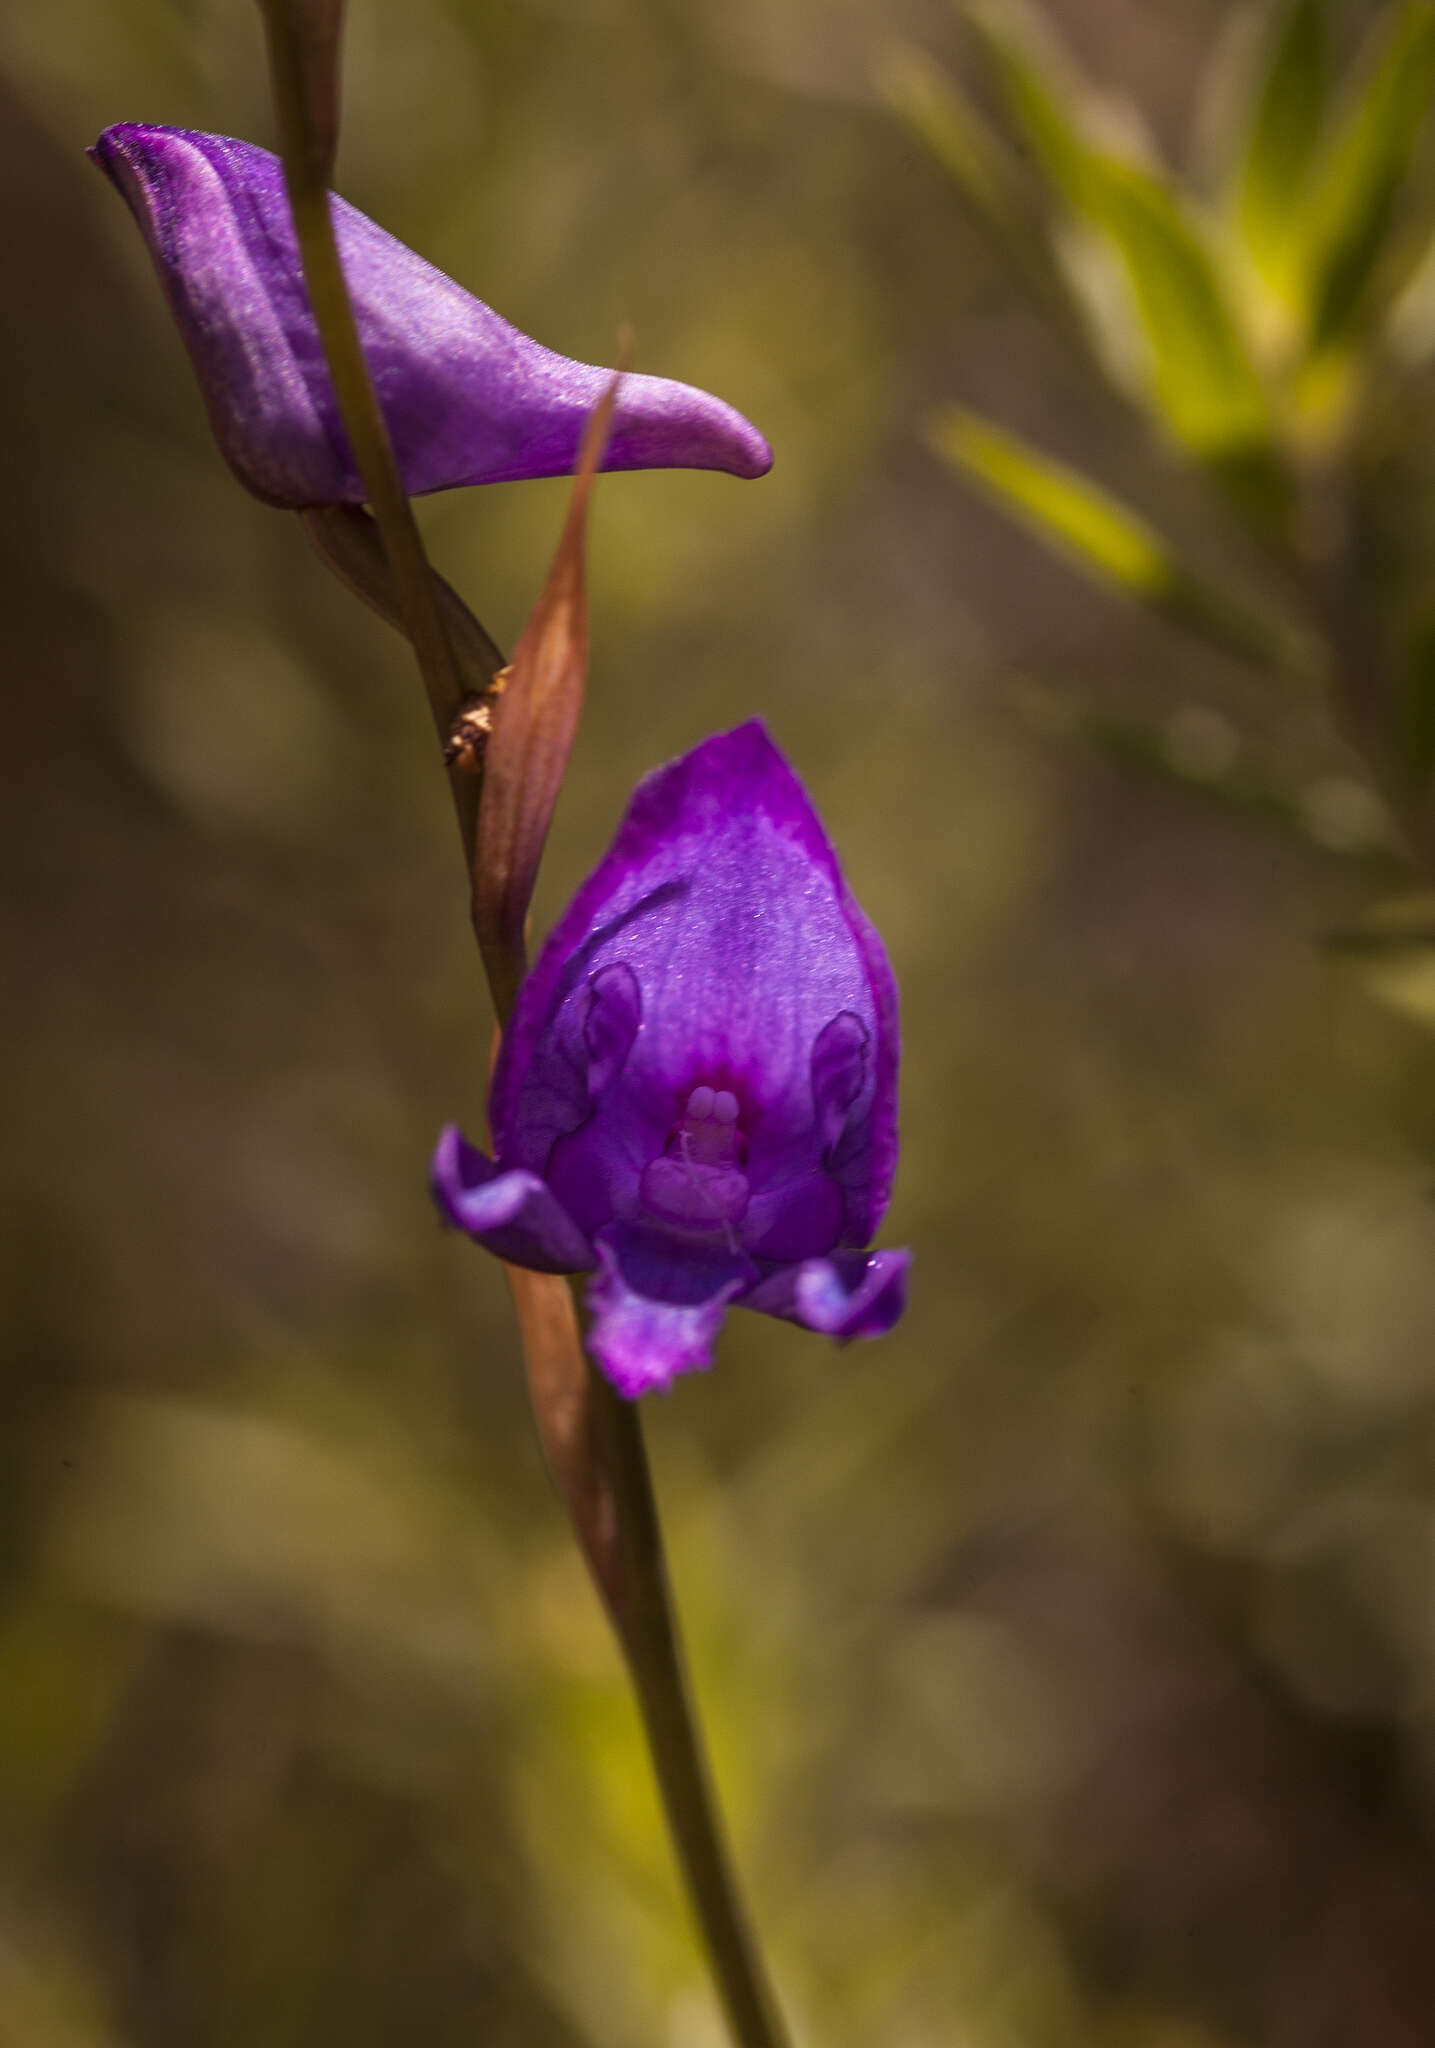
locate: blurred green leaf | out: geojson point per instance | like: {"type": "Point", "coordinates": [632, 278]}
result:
{"type": "Point", "coordinates": [1090, 528]}
{"type": "Point", "coordinates": [1036, 86]}
{"type": "Point", "coordinates": [1364, 163]}
{"type": "Point", "coordinates": [1072, 267]}
{"type": "Point", "coordinates": [1392, 946]}
{"type": "Point", "coordinates": [1409, 327]}
{"type": "Point", "coordinates": [1391, 926]}
{"type": "Point", "coordinates": [941, 116]}
{"type": "Point", "coordinates": [1200, 378]}
{"type": "Point", "coordinates": [1273, 162]}
{"type": "Point", "coordinates": [1158, 753]}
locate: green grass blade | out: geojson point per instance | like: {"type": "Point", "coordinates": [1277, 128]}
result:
{"type": "Point", "coordinates": [1036, 87]}
{"type": "Point", "coordinates": [1200, 379]}
{"type": "Point", "coordinates": [1364, 164]}
{"type": "Point", "coordinates": [1203, 381]}
{"type": "Point", "coordinates": [1100, 536]}
{"type": "Point", "coordinates": [941, 117]}
{"type": "Point", "coordinates": [1279, 145]}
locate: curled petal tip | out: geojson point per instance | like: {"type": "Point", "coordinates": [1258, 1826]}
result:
{"type": "Point", "coordinates": [853, 1296]}
{"type": "Point", "coordinates": [467, 397]}
{"type": "Point", "coordinates": [849, 1294]}
{"type": "Point", "coordinates": [662, 425]}
{"type": "Point", "coordinates": [511, 1213]}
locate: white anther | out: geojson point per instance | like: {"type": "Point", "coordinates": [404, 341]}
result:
{"type": "Point", "coordinates": [700, 1104]}
{"type": "Point", "coordinates": [725, 1107]}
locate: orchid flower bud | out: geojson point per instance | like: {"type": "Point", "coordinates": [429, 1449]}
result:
{"type": "Point", "coordinates": [696, 1097]}
{"type": "Point", "coordinates": [467, 398]}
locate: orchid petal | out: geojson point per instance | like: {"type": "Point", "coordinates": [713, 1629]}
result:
{"type": "Point", "coordinates": [654, 1317]}
{"type": "Point", "coordinates": [851, 1294]}
{"type": "Point", "coordinates": [468, 398]}
{"type": "Point", "coordinates": [513, 1214]}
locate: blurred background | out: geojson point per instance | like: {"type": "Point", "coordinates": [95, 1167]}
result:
{"type": "Point", "coordinates": [1069, 1657]}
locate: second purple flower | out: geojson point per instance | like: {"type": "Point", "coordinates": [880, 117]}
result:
{"type": "Point", "coordinates": [696, 1098]}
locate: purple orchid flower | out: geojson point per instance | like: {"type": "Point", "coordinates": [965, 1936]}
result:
{"type": "Point", "coordinates": [468, 399]}
{"type": "Point", "coordinates": [696, 1099]}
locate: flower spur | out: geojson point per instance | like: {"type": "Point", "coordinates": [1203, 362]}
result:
{"type": "Point", "coordinates": [468, 399]}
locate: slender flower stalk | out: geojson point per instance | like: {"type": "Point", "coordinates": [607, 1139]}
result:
{"type": "Point", "coordinates": [307, 157]}
{"type": "Point", "coordinates": [592, 1439]}
{"type": "Point", "coordinates": [648, 1631]}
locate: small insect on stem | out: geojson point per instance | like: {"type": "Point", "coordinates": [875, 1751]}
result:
{"type": "Point", "coordinates": [468, 736]}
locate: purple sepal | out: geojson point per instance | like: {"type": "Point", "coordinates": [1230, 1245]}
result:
{"type": "Point", "coordinates": [850, 1294]}
{"type": "Point", "coordinates": [513, 1214]}
{"type": "Point", "coordinates": [655, 1316]}
{"type": "Point", "coordinates": [468, 398]}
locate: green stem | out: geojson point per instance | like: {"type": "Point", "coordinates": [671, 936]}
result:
{"type": "Point", "coordinates": [648, 1629]}
{"type": "Point", "coordinates": [643, 1611]}
{"type": "Point", "coordinates": [309, 200]}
